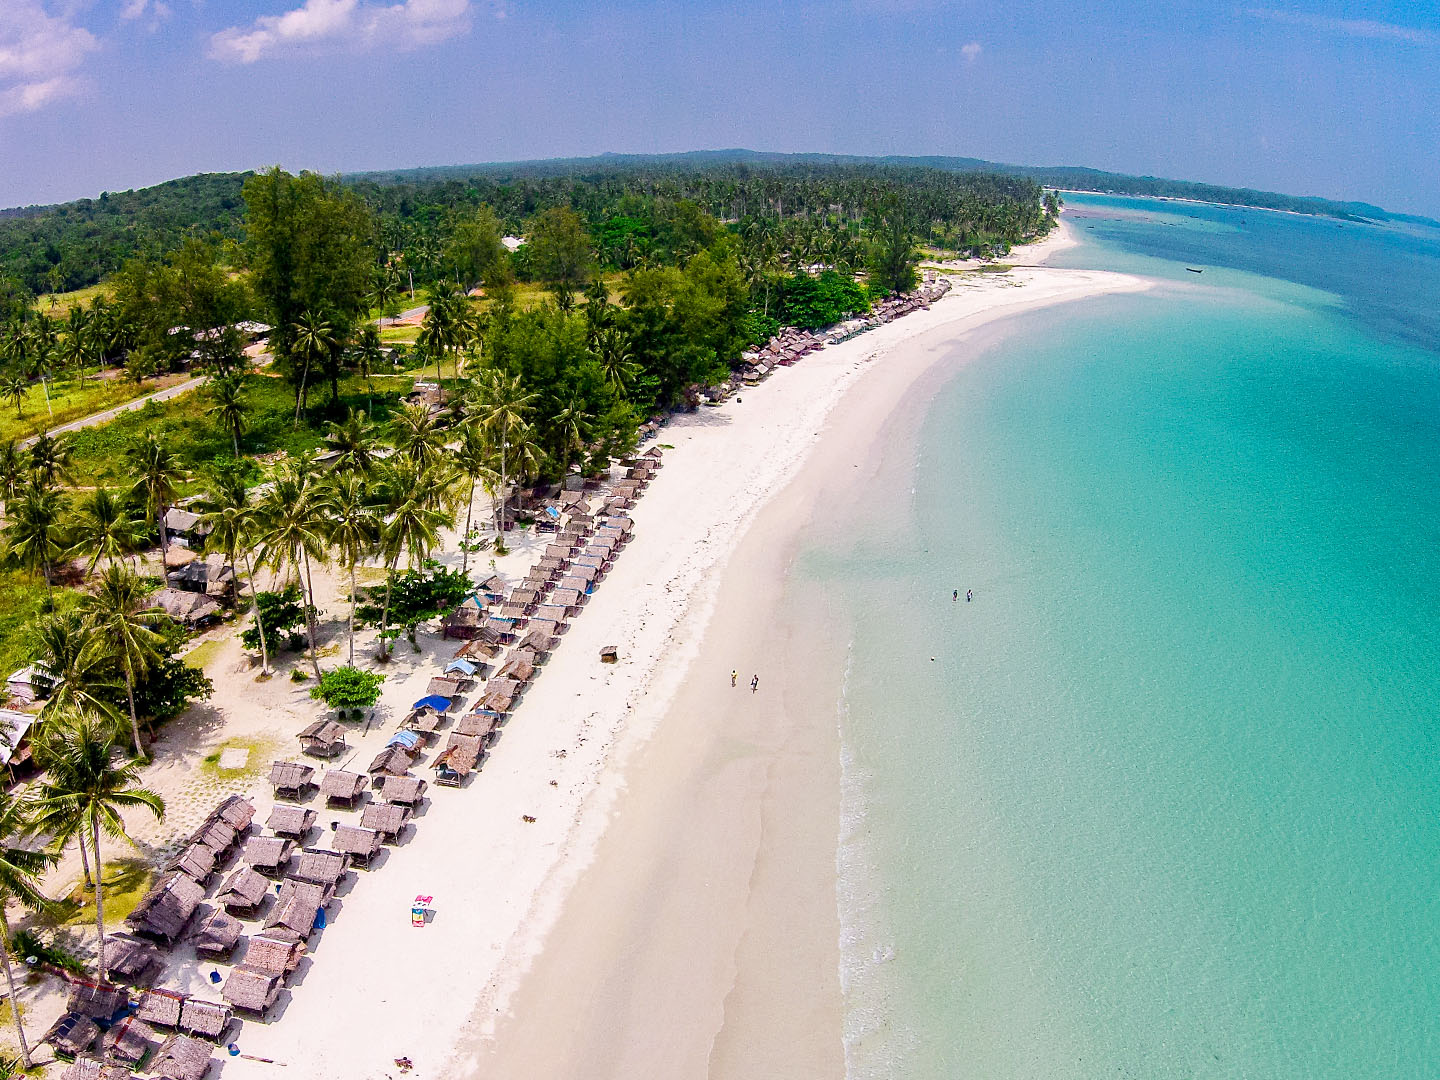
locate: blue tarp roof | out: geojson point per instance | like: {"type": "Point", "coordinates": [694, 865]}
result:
{"type": "Point", "coordinates": [434, 701]}
{"type": "Point", "coordinates": [460, 664]}
{"type": "Point", "coordinates": [408, 739]}
{"type": "Point", "coordinates": [553, 512]}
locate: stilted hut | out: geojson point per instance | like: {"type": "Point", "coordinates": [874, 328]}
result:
{"type": "Point", "coordinates": [477, 726]}
{"type": "Point", "coordinates": [99, 1001]}
{"type": "Point", "coordinates": [182, 1058]}
{"type": "Point", "coordinates": [358, 842]}
{"type": "Point", "coordinates": [269, 854]}
{"type": "Point", "coordinates": [317, 866]}
{"type": "Point", "coordinates": [392, 761]}
{"type": "Point", "coordinates": [196, 861]}
{"type": "Point", "coordinates": [205, 1019]}
{"type": "Point", "coordinates": [236, 811]}
{"type": "Point", "coordinates": [457, 760]}
{"type": "Point", "coordinates": [217, 934]}
{"type": "Point", "coordinates": [131, 1041]}
{"type": "Point", "coordinates": [296, 907]}
{"type": "Point", "coordinates": [568, 600]}
{"type": "Point", "coordinates": [290, 779]}
{"type": "Point", "coordinates": [402, 790]}
{"type": "Point", "coordinates": [276, 953]}
{"type": "Point", "coordinates": [499, 697]}
{"type": "Point", "coordinates": [251, 991]}
{"type": "Point", "coordinates": [72, 1035]}
{"type": "Point", "coordinates": [537, 642]}
{"type": "Point", "coordinates": [323, 739]}
{"type": "Point", "coordinates": [386, 819]}
{"type": "Point", "coordinates": [90, 1069]}
{"type": "Point", "coordinates": [244, 891]}
{"type": "Point", "coordinates": [160, 1008]}
{"type": "Point", "coordinates": [554, 614]}
{"type": "Point", "coordinates": [520, 667]}
{"type": "Point", "coordinates": [342, 788]}
{"type": "Point", "coordinates": [291, 821]}
{"type": "Point", "coordinates": [165, 910]}
{"type": "Point", "coordinates": [130, 961]}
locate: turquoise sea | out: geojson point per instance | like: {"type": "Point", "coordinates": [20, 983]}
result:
{"type": "Point", "coordinates": [1166, 802]}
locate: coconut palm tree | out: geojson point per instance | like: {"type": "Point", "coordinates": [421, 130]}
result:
{"type": "Point", "coordinates": [354, 529]}
{"type": "Point", "coordinates": [412, 522]}
{"type": "Point", "coordinates": [229, 407]}
{"type": "Point", "coordinates": [105, 527]}
{"type": "Point", "coordinates": [88, 777]}
{"type": "Point", "coordinates": [124, 623]}
{"type": "Point", "coordinates": [50, 458]}
{"type": "Point", "coordinates": [573, 422]}
{"type": "Point", "coordinates": [354, 440]}
{"type": "Point", "coordinates": [15, 386]}
{"type": "Point", "coordinates": [474, 458]}
{"type": "Point", "coordinates": [14, 467]}
{"type": "Point", "coordinates": [33, 532]}
{"type": "Point", "coordinates": [20, 870]}
{"type": "Point", "coordinates": [233, 525]}
{"type": "Point", "coordinates": [416, 434]}
{"type": "Point", "coordinates": [293, 535]}
{"type": "Point", "coordinates": [314, 337]}
{"type": "Point", "coordinates": [612, 349]}
{"type": "Point", "coordinates": [157, 478]}
{"type": "Point", "coordinates": [76, 676]}
{"type": "Point", "coordinates": [502, 405]}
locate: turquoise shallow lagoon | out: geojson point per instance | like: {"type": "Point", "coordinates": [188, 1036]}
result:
{"type": "Point", "coordinates": [1166, 802]}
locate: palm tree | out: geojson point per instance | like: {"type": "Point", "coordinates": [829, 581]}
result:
{"type": "Point", "coordinates": [416, 434]}
{"type": "Point", "coordinates": [314, 337]}
{"type": "Point", "coordinates": [233, 526]}
{"type": "Point", "coordinates": [228, 394]}
{"type": "Point", "coordinates": [573, 423]}
{"type": "Point", "coordinates": [124, 623]}
{"type": "Point", "coordinates": [106, 527]}
{"type": "Point", "coordinates": [612, 349]}
{"type": "Point", "coordinates": [293, 534]}
{"type": "Point", "coordinates": [50, 458]}
{"type": "Point", "coordinates": [88, 778]}
{"type": "Point", "coordinates": [20, 870]}
{"type": "Point", "coordinates": [354, 529]}
{"type": "Point", "coordinates": [474, 458]}
{"type": "Point", "coordinates": [354, 441]}
{"type": "Point", "coordinates": [33, 531]}
{"type": "Point", "coordinates": [14, 466]}
{"type": "Point", "coordinates": [75, 674]}
{"type": "Point", "coordinates": [158, 474]}
{"type": "Point", "coordinates": [502, 405]}
{"type": "Point", "coordinates": [412, 523]}
{"type": "Point", "coordinates": [15, 386]}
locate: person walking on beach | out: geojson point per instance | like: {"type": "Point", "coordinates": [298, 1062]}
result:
{"type": "Point", "coordinates": [733, 676]}
{"type": "Point", "coordinates": [754, 683]}
{"type": "Point", "coordinates": [955, 595]}
{"type": "Point", "coordinates": [969, 595]}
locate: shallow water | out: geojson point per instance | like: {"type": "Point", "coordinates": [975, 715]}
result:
{"type": "Point", "coordinates": [1164, 803]}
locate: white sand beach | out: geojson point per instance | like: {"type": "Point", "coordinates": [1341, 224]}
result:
{"type": "Point", "coordinates": [670, 909]}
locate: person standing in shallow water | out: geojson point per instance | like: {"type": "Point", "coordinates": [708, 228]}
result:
{"type": "Point", "coordinates": [754, 683]}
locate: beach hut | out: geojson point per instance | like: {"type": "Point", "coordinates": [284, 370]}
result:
{"type": "Point", "coordinates": [342, 788]}
{"type": "Point", "coordinates": [446, 688]}
{"type": "Point", "coordinates": [324, 738]}
{"type": "Point", "coordinates": [206, 1019]}
{"type": "Point", "coordinates": [568, 600]}
{"type": "Point", "coordinates": [550, 566]}
{"type": "Point", "coordinates": [130, 961]}
{"type": "Point", "coordinates": [215, 836]}
{"type": "Point", "coordinates": [502, 629]}
{"type": "Point", "coordinates": [317, 866]}
{"type": "Point", "coordinates": [290, 779]}
{"type": "Point", "coordinates": [290, 821]}
{"type": "Point", "coordinates": [386, 819]}
{"type": "Point", "coordinates": [217, 934]}
{"type": "Point", "coordinates": [559, 552]}
{"type": "Point", "coordinates": [573, 582]}
{"type": "Point", "coordinates": [297, 906]}
{"type": "Point", "coordinates": [610, 654]}
{"type": "Point", "coordinates": [436, 703]}
{"type": "Point", "coordinates": [520, 667]}
{"type": "Point", "coordinates": [402, 790]}
{"type": "Point", "coordinates": [276, 953]}
{"type": "Point", "coordinates": [392, 761]}
{"type": "Point", "coordinates": [190, 609]}
{"type": "Point", "coordinates": [130, 1041]}
{"type": "Point", "coordinates": [461, 666]}
{"type": "Point", "coordinates": [90, 1069]}
{"type": "Point", "coordinates": [526, 597]}
{"type": "Point", "coordinates": [194, 860]}
{"type": "Point", "coordinates": [499, 697]}
{"type": "Point", "coordinates": [554, 614]}
{"type": "Point", "coordinates": [492, 589]}
{"type": "Point", "coordinates": [486, 643]}
{"type": "Point", "coordinates": [457, 760]}
{"type": "Point", "coordinates": [358, 842]}
{"type": "Point", "coordinates": [99, 1001]}
{"type": "Point", "coordinates": [166, 909]}
{"type": "Point", "coordinates": [537, 643]}
{"type": "Point", "coordinates": [424, 723]}
{"type": "Point", "coordinates": [594, 562]}
{"type": "Point", "coordinates": [251, 991]}
{"type": "Point", "coordinates": [160, 1008]}
{"type": "Point", "coordinates": [464, 622]}
{"type": "Point", "coordinates": [72, 1035]}
{"type": "Point", "coordinates": [268, 854]}
{"type": "Point", "coordinates": [236, 811]}
{"type": "Point", "coordinates": [476, 725]}
{"type": "Point", "coordinates": [245, 889]}
{"type": "Point", "coordinates": [182, 1058]}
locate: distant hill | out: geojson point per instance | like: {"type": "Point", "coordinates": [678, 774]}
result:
{"type": "Point", "coordinates": [74, 244]}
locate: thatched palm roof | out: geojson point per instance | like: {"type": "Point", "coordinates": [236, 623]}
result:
{"type": "Point", "coordinates": [90, 1069]}
{"type": "Point", "coordinates": [386, 818]}
{"type": "Point", "coordinates": [402, 789]}
{"type": "Point", "coordinates": [236, 811]}
{"type": "Point", "coordinates": [356, 841]}
{"type": "Point", "coordinates": [291, 776]}
{"type": "Point", "coordinates": [243, 890]}
{"type": "Point", "coordinates": [475, 725]}
{"type": "Point", "coordinates": [72, 1034]}
{"type": "Point", "coordinates": [182, 1058]}
{"type": "Point", "coordinates": [342, 786]}
{"type": "Point", "coordinates": [290, 821]}
{"type": "Point", "coordinates": [253, 991]}
{"type": "Point", "coordinates": [219, 836]}
{"type": "Point", "coordinates": [96, 999]}
{"type": "Point", "coordinates": [273, 955]}
{"type": "Point", "coordinates": [128, 960]}
{"type": "Point", "coordinates": [520, 666]}
{"type": "Point", "coordinates": [320, 867]}
{"type": "Point", "coordinates": [269, 853]}
{"type": "Point", "coordinates": [392, 761]}
{"type": "Point", "coordinates": [217, 933]}
{"type": "Point", "coordinates": [296, 907]}
{"type": "Point", "coordinates": [130, 1040]}
{"type": "Point", "coordinates": [208, 1019]}
{"type": "Point", "coordinates": [195, 860]}
{"type": "Point", "coordinates": [160, 1007]}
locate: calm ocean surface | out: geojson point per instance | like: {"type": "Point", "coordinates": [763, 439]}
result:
{"type": "Point", "coordinates": [1166, 803]}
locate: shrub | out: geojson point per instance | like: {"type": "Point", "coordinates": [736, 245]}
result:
{"type": "Point", "coordinates": [348, 688]}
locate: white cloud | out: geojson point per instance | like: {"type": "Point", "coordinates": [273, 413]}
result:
{"type": "Point", "coordinates": [969, 52]}
{"type": "Point", "coordinates": [134, 9]}
{"type": "Point", "coordinates": [343, 24]}
{"type": "Point", "coordinates": [39, 56]}
{"type": "Point", "coordinates": [1356, 28]}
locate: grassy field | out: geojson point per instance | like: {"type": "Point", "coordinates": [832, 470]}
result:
{"type": "Point", "coordinates": [58, 305]}
{"type": "Point", "coordinates": [69, 401]}
{"type": "Point", "coordinates": [22, 598]}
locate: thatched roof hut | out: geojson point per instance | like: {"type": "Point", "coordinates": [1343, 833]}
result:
{"type": "Point", "coordinates": [580, 572]}
{"type": "Point", "coordinates": [216, 835]}
{"type": "Point", "coordinates": [236, 811]}
{"type": "Point", "coordinates": [72, 1034]}
{"type": "Point", "coordinates": [387, 819]}
{"type": "Point", "coordinates": [520, 667]}
{"type": "Point", "coordinates": [182, 1058]}
{"type": "Point", "coordinates": [405, 790]}
{"type": "Point", "coordinates": [195, 860]}
{"type": "Point", "coordinates": [360, 843]}
{"type": "Point", "coordinates": [550, 566]}
{"type": "Point", "coordinates": [187, 608]}
{"type": "Point", "coordinates": [594, 562]}
{"type": "Point", "coordinates": [268, 854]}
{"type": "Point", "coordinates": [620, 522]}
{"type": "Point", "coordinates": [516, 613]}
{"type": "Point", "coordinates": [274, 954]}
{"type": "Point", "coordinates": [290, 778]}
{"type": "Point", "coordinates": [207, 1019]}
{"type": "Point", "coordinates": [464, 621]}
{"type": "Point", "coordinates": [499, 697]}
{"type": "Point", "coordinates": [217, 933]}
{"type": "Point", "coordinates": [323, 738]}
{"type": "Point", "coordinates": [320, 867]}
{"type": "Point", "coordinates": [251, 991]}
{"type": "Point", "coordinates": [296, 907]}
{"type": "Point", "coordinates": [90, 1069]}
{"type": "Point", "coordinates": [97, 1000]}
{"type": "Point", "coordinates": [476, 725]}
{"type": "Point", "coordinates": [425, 722]}
{"type": "Point", "coordinates": [165, 910]}
{"type": "Point", "coordinates": [291, 821]}
{"type": "Point", "coordinates": [244, 890]}
{"type": "Point", "coordinates": [537, 643]}
{"type": "Point", "coordinates": [447, 688]}
{"type": "Point", "coordinates": [130, 961]}
{"type": "Point", "coordinates": [553, 614]}
{"type": "Point", "coordinates": [392, 761]}
{"type": "Point", "coordinates": [567, 598]}
{"type": "Point", "coordinates": [457, 760]}
{"type": "Point", "coordinates": [160, 1008]}
{"type": "Point", "coordinates": [344, 788]}
{"type": "Point", "coordinates": [131, 1040]}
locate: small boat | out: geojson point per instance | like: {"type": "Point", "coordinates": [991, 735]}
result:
{"type": "Point", "coordinates": [1193, 270]}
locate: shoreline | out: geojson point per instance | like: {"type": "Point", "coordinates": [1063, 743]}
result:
{"type": "Point", "coordinates": [697, 932]}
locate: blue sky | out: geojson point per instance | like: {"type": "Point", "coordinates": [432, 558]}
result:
{"type": "Point", "coordinates": [1309, 98]}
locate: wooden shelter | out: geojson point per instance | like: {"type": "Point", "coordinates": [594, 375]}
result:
{"type": "Point", "coordinates": [166, 909]}
{"type": "Point", "coordinates": [537, 642]}
{"type": "Point", "coordinates": [215, 836]}
{"type": "Point", "coordinates": [130, 961]}
{"type": "Point", "coordinates": [160, 1008]}
{"type": "Point", "coordinates": [447, 687]}
{"type": "Point", "coordinates": [342, 788]}
{"type": "Point", "coordinates": [520, 667]}
{"type": "Point", "coordinates": [317, 866]}
{"type": "Point", "coordinates": [291, 821]}
{"type": "Point", "coordinates": [236, 811]}
{"type": "Point", "coordinates": [131, 1041]}
{"type": "Point", "coordinates": [553, 614]}
{"type": "Point", "coordinates": [274, 953]}
{"type": "Point", "coordinates": [457, 760]}
{"type": "Point", "coordinates": [358, 842]}
{"type": "Point", "coordinates": [290, 779]}
{"type": "Point", "coordinates": [90, 1069]}
{"type": "Point", "coordinates": [392, 761]}
{"type": "Point", "coordinates": [195, 861]}
{"type": "Point", "coordinates": [568, 600]}
{"type": "Point", "coordinates": [207, 1019]}
{"type": "Point", "coordinates": [96, 1000]}
{"type": "Point", "coordinates": [516, 613]}
{"type": "Point", "coordinates": [268, 854]}
{"type": "Point", "coordinates": [403, 790]}
{"type": "Point", "coordinates": [296, 907]}
{"type": "Point", "coordinates": [72, 1035]}
{"type": "Point", "coordinates": [245, 889]}
{"type": "Point", "coordinates": [425, 722]}
{"type": "Point", "coordinates": [217, 934]}
{"type": "Point", "coordinates": [387, 819]}
{"type": "Point", "coordinates": [476, 725]}
{"type": "Point", "coordinates": [182, 1058]}
{"type": "Point", "coordinates": [323, 738]}
{"type": "Point", "coordinates": [464, 622]}
{"type": "Point", "coordinates": [251, 991]}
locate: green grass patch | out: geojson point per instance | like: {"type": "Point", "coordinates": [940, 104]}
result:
{"type": "Point", "coordinates": [22, 599]}
{"type": "Point", "coordinates": [201, 655]}
{"type": "Point", "coordinates": [71, 402]}
{"type": "Point", "coordinates": [125, 882]}
{"type": "Point", "coordinates": [262, 751]}
{"type": "Point", "coordinates": [64, 301]}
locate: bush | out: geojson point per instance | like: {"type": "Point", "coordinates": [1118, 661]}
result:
{"type": "Point", "coordinates": [27, 943]}
{"type": "Point", "coordinates": [348, 688]}
{"type": "Point", "coordinates": [280, 614]}
{"type": "Point", "coordinates": [812, 302]}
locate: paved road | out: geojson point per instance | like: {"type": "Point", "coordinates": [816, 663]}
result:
{"type": "Point", "coordinates": [138, 403]}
